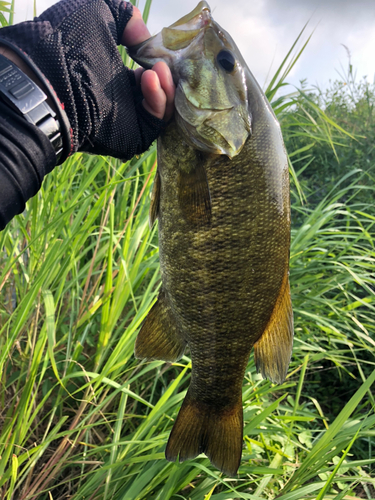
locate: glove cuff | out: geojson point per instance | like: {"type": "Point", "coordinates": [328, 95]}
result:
{"type": "Point", "coordinates": [149, 125]}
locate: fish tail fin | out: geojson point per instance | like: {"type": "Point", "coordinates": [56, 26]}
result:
{"type": "Point", "coordinates": [201, 428]}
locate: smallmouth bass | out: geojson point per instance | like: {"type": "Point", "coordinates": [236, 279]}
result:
{"type": "Point", "coordinates": [221, 197]}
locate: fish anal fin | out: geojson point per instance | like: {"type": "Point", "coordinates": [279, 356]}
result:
{"type": "Point", "coordinates": [194, 195]}
{"type": "Point", "coordinates": [159, 337]}
{"type": "Point", "coordinates": [155, 200]}
{"type": "Point", "coordinates": [199, 428]}
{"type": "Point", "coordinates": [272, 352]}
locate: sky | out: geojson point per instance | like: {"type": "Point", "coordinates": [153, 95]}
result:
{"type": "Point", "coordinates": [264, 31]}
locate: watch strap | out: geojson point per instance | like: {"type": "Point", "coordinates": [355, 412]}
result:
{"type": "Point", "coordinates": [55, 125]}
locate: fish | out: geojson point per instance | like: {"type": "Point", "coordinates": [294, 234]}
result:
{"type": "Point", "coordinates": [221, 198]}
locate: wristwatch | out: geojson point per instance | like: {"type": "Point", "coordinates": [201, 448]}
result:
{"type": "Point", "coordinates": [24, 96]}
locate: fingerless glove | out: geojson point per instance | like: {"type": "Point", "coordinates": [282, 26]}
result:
{"type": "Point", "coordinates": [74, 44]}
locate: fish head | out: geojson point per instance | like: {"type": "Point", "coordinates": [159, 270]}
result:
{"type": "Point", "coordinates": [211, 101]}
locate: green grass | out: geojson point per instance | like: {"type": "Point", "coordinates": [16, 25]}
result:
{"type": "Point", "coordinates": [82, 419]}
{"type": "Point", "coordinates": [81, 415]}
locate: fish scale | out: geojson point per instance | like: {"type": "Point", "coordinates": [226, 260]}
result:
{"type": "Point", "coordinates": [223, 210]}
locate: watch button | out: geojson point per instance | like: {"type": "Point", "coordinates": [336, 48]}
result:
{"type": "Point", "coordinates": [4, 68]}
{"type": "Point", "coordinates": [22, 89]}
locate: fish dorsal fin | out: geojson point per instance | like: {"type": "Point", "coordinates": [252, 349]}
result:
{"type": "Point", "coordinates": [272, 352]}
{"type": "Point", "coordinates": [159, 337]}
{"type": "Point", "coordinates": [194, 195]}
{"type": "Point", "coordinates": [155, 200]}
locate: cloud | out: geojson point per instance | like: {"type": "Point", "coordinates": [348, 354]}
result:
{"type": "Point", "coordinates": [264, 31]}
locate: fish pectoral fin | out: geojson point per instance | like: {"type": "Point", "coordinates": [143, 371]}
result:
{"type": "Point", "coordinates": [159, 337]}
{"type": "Point", "coordinates": [155, 200]}
{"type": "Point", "coordinates": [194, 195]}
{"type": "Point", "coordinates": [272, 352]}
{"type": "Point", "coordinates": [200, 428]}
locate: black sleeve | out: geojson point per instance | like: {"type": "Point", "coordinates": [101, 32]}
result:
{"type": "Point", "coordinates": [26, 156]}
{"type": "Point", "coordinates": [73, 45]}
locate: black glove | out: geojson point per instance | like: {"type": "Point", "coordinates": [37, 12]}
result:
{"type": "Point", "coordinates": [74, 44]}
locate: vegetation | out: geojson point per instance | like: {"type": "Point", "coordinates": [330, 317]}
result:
{"type": "Point", "coordinates": [314, 134]}
{"type": "Point", "coordinates": [82, 419]}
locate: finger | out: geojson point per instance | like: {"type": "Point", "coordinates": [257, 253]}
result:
{"type": "Point", "coordinates": [135, 31]}
{"type": "Point", "coordinates": [167, 85]}
{"type": "Point", "coordinates": [155, 99]}
{"type": "Point", "coordinates": [138, 74]}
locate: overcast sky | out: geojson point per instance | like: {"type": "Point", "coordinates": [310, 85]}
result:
{"type": "Point", "coordinates": [264, 30]}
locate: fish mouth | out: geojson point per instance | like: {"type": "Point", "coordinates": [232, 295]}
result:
{"type": "Point", "coordinates": [179, 35]}
{"type": "Point", "coordinates": [200, 15]}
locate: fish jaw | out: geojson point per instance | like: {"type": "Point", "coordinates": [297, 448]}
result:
{"type": "Point", "coordinates": [211, 102]}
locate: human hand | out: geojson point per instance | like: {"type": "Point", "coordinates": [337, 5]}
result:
{"type": "Point", "coordinates": [74, 45]}
{"type": "Point", "coordinates": [157, 84]}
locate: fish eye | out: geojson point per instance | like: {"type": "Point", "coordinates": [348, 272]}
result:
{"type": "Point", "coordinates": [226, 60]}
